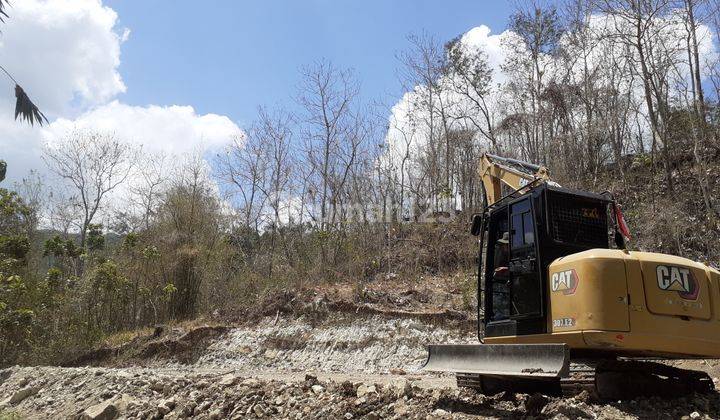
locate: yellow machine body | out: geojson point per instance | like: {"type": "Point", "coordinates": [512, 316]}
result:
{"type": "Point", "coordinates": [554, 292]}
{"type": "Point", "coordinates": [631, 303]}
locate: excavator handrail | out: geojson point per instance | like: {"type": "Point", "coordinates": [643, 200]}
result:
{"type": "Point", "coordinates": [534, 183]}
{"type": "Point", "coordinates": [530, 166]}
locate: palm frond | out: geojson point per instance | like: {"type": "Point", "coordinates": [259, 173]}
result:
{"type": "Point", "coordinates": [26, 109]}
{"type": "Point", "coordinates": [4, 4]}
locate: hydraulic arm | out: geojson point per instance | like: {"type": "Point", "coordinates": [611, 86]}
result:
{"type": "Point", "coordinates": [497, 170]}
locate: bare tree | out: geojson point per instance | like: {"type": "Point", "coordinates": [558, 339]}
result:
{"type": "Point", "coordinates": [423, 66]}
{"type": "Point", "coordinates": [275, 133]}
{"type": "Point", "coordinates": [146, 192]}
{"type": "Point", "coordinates": [243, 166]}
{"type": "Point", "coordinates": [470, 77]}
{"type": "Point", "coordinates": [643, 25]}
{"type": "Point", "coordinates": [539, 29]}
{"type": "Point", "coordinates": [94, 165]}
{"type": "Point", "coordinates": [404, 127]}
{"type": "Point", "coordinates": [327, 96]}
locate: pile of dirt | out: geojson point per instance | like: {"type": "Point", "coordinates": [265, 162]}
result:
{"type": "Point", "coordinates": [347, 342]}
{"type": "Point", "coordinates": [97, 393]}
{"type": "Point", "coordinates": [181, 345]}
{"type": "Point", "coordinates": [440, 299]}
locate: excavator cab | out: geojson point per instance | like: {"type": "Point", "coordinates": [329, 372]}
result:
{"type": "Point", "coordinates": [522, 234]}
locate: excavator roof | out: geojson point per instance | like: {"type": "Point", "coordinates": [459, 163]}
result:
{"type": "Point", "coordinates": [582, 193]}
{"type": "Point", "coordinates": [542, 185]}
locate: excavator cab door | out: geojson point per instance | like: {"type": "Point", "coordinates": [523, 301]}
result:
{"type": "Point", "coordinates": [514, 296]}
{"type": "Point", "coordinates": [525, 287]}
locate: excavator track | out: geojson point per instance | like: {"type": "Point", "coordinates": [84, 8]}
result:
{"type": "Point", "coordinates": [604, 379]}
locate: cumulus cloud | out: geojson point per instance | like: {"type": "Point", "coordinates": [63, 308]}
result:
{"type": "Point", "coordinates": [170, 129]}
{"type": "Point", "coordinates": [66, 54]}
{"type": "Point", "coordinates": [481, 39]}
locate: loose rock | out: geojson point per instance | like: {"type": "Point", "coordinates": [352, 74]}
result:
{"type": "Point", "coordinates": [103, 411]}
{"type": "Point", "coordinates": [22, 394]}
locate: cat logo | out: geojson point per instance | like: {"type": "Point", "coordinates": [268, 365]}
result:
{"type": "Point", "coordinates": [679, 279]}
{"type": "Point", "coordinates": [564, 281]}
{"type": "Point", "coordinates": [591, 213]}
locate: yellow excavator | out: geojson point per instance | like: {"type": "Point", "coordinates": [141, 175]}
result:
{"type": "Point", "coordinates": [563, 307]}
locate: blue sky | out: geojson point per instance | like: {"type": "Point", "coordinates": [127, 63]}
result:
{"type": "Point", "coordinates": [228, 57]}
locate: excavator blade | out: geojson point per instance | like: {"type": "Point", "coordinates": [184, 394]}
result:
{"type": "Point", "coordinates": [518, 360]}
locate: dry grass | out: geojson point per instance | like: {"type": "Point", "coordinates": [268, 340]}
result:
{"type": "Point", "coordinates": [123, 337]}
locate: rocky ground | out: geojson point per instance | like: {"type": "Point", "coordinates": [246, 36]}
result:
{"type": "Point", "coordinates": [145, 393]}
{"type": "Point", "coordinates": [301, 358]}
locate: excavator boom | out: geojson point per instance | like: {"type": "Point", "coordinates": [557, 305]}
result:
{"type": "Point", "coordinates": [516, 174]}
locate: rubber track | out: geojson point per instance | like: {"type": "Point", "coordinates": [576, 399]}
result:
{"type": "Point", "coordinates": [605, 379]}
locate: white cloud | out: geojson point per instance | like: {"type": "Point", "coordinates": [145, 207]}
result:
{"type": "Point", "coordinates": [170, 129]}
{"type": "Point", "coordinates": [479, 38]}
{"type": "Point", "coordinates": [65, 53]}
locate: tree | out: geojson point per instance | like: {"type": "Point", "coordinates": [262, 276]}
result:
{"type": "Point", "coordinates": [645, 27]}
{"type": "Point", "coordinates": [94, 165]}
{"type": "Point", "coordinates": [145, 193]}
{"type": "Point", "coordinates": [327, 96]}
{"type": "Point", "coordinates": [423, 67]}
{"type": "Point", "coordinates": [276, 135]}
{"type": "Point", "coordinates": [189, 228]}
{"type": "Point", "coordinates": [17, 314]}
{"type": "Point", "coordinates": [243, 167]}
{"type": "Point", "coordinates": [470, 76]}
{"type": "Point", "coordinates": [539, 30]}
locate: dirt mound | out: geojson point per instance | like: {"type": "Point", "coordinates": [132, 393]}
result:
{"type": "Point", "coordinates": [175, 344]}
{"type": "Point", "coordinates": [440, 300]}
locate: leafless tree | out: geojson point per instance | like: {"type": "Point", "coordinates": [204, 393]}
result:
{"type": "Point", "coordinates": [327, 96]}
{"type": "Point", "coordinates": [470, 76]}
{"type": "Point", "coordinates": [275, 134]}
{"type": "Point", "coordinates": [644, 26]}
{"type": "Point", "coordinates": [539, 29]}
{"type": "Point", "coordinates": [243, 166]}
{"type": "Point", "coordinates": [423, 66]}
{"type": "Point", "coordinates": [93, 165]}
